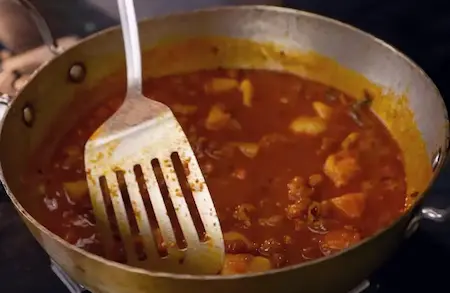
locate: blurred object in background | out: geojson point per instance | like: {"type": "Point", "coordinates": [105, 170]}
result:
{"type": "Point", "coordinates": [15, 70]}
{"type": "Point", "coordinates": [17, 30]}
{"type": "Point", "coordinates": [84, 17]}
{"type": "Point", "coordinates": [418, 28]}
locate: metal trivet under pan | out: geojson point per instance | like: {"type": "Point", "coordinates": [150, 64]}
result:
{"type": "Point", "coordinates": [74, 287]}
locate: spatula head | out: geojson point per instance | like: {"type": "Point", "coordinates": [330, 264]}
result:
{"type": "Point", "coordinates": [122, 161]}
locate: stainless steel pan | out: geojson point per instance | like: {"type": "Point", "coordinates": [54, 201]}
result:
{"type": "Point", "coordinates": [245, 37]}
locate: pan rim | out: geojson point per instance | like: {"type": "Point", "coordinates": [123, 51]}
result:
{"type": "Point", "coordinates": [407, 213]}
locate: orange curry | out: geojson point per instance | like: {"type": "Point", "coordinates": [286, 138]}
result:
{"type": "Point", "coordinates": [297, 170]}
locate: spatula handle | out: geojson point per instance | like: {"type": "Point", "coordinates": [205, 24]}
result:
{"type": "Point", "coordinates": [132, 46]}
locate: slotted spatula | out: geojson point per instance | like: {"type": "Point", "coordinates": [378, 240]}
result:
{"type": "Point", "coordinates": [141, 131]}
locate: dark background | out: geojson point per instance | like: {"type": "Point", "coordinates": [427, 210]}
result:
{"type": "Point", "coordinates": [421, 29]}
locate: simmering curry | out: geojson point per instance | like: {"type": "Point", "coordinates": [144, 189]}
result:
{"type": "Point", "coordinates": [297, 170]}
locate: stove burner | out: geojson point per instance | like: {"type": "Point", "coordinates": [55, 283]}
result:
{"type": "Point", "coordinates": [73, 287]}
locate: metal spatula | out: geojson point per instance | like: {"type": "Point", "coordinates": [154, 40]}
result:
{"type": "Point", "coordinates": [140, 132]}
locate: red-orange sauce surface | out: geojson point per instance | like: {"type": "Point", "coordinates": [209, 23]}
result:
{"type": "Point", "coordinates": [295, 169]}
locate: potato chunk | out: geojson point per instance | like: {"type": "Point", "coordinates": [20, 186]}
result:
{"type": "Point", "coordinates": [259, 264]}
{"type": "Point", "coordinates": [76, 190]}
{"type": "Point", "coordinates": [235, 242]}
{"type": "Point", "coordinates": [244, 263]}
{"type": "Point", "coordinates": [351, 205]}
{"type": "Point", "coordinates": [184, 109]}
{"type": "Point", "coordinates": [217, 118]}
{"type": "Point", "coordinates": [322, 110]}
{"type": "Point", "coordinates": [315, 180]}
{"type": "Point", "coordinates": [341, 168]}
{"type": "Point", "coordinates": [337, 240]}
{"type": "Point", "coordinates": [350, 141]}
{"type": "Point", "coordinates": [308, 125]}
{"type": "Point", "coordinates": [246, 89]}
{"type": "Point", "coordinates": [248, 149]}
{"type": "Point", "coordinates": [219, 85]}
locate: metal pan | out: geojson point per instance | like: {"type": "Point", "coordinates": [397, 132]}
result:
{"type": "Point", "coordinates": [245, 37]}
